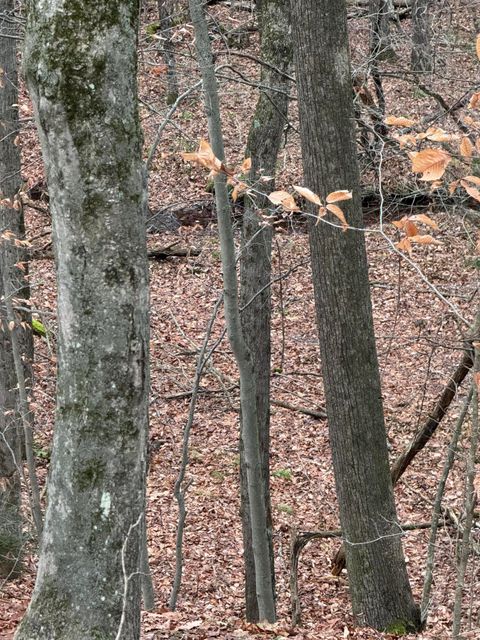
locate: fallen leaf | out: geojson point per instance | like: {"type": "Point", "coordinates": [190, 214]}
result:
{"type": "Point", "coordinates": [430, 162]}
{"type": "Point", "coordinates": [398, 121]}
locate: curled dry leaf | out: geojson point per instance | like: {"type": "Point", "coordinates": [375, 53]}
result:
{"type": "Point", "coordinates": [422, 217]}
{"type": "Point", "coordinates": [321, 213]}
{"type": "Point", "coordinates": [394, 121]}
{"type": "Point", "coordinates": [246, 165]}
{"type": "Point", "coordinates": [284, 199]}
{"type": "Point", "coordinates": [339, 214]}
{"type": "Point", "coordinates": [338, 196]}
{"type": "Point", "coordinates": [474, 102]}
{"type": "Point", "coordinates": [404, 245]}
{"type": "Point", "coordinates": [240, 187]}
{"type": "Point", "coordinates": [431, 163]}
{"type": "Point", "coordinates": [410, 228]}
{"type": "Point", "coordinates": [408, 138]}
{"type": "Point", "coordinates": [424, 240]}
{"type": "Point", "coordinates": [466, 147]}
{"type": "Point", "coordinates": [204, 157]}
{"type": "Point", "coordinates": [472, 191]}
{"type": "Point", "coordinates": [453, 186]}
{"type": "Point", "coordinates": [474, 179]}
{"type": "Point", "coordinates": [435, 134]}
{"type": "Point", "coordinates": [307, 194]}
{"type": "Point", "coordinates": [477, 46]}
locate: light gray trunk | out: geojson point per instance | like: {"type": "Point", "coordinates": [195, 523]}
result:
{"type": "Point", "coordinates": [258, 514]}
{"type": "Point", "coordinates": [263, 145]}
{"type": "Point", "coordinates": [378, 580]}
{"type": "Point", "coordinates": [80, 64]}
{"type": "Point", "coordinates": [11, 218]}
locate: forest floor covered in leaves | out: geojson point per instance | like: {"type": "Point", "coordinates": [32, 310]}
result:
{"type": "Point", "coordinates": [419, 341]}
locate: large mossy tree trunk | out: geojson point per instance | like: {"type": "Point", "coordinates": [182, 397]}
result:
{"type": "Point", "coordinates": [265, 136]}
{"type": "Point", "coordinates": [80, 64]}
{"type": "Point", "coordinates": [11, 219]}
{"type": "Point", "coordinates": [378, 580]}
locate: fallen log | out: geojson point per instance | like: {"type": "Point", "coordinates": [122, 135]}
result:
{"type": "Point", "coordinates": [154, 253]}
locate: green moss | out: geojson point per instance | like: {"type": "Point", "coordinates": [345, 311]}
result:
{"type": "Point", "coordinates": [152, 28]}
{"type": "Point", "coordinates": [90, 474]}
{"type": "Point", "coordinates": [285, 474]}
{"type": "Point", "coordinates": [38, 328]}
{"type": "Point", "coordinates": [400, 628]}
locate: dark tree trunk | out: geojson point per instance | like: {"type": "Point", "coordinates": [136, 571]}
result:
{"type": "Point", "coordinates": [381, 12]}
{"type": "Point", "coordinates": [422, 60]}
{"type": "Point", "coordinates": [248, 395]}
{"type": "Point", "coordinates": [11, 219]}
{"type": "Point", "coordinates": [379, 586]}
{"type": "Point", "coordinates": [165, 9]}
{"type": "Point", "coordinates": [255, 266]}
{"type": "Point", "coordinates": [80, 64]}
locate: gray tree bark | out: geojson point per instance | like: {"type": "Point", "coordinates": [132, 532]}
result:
{"type": "Point", "coordinates": [263, 145]}
{"type": "Point", "coordinates": [11, 219]}
{"type": "Point", "coordinates": [422, 60]}
{"type": "Point", "coordinates": [251, 441]}
{"type": "Point", "coordinates": [165, 9]}
{"type": "Point", "coordinates": [381, 12]}
{"type": "Point", "coordinates": [80, 64]}
{"type": "Point", "coordinates": [379, 586]}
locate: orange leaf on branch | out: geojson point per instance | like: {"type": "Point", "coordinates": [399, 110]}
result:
{"type": "Point", "coordinates": [307, 194]}
{"type": "Point", "coordinates": [339, 214]}
{"type": "Point", "coordinates": [284, 199]}
{"type": "Point", "coordinates": [205, 157]}
{"type": "Point", "coordinates": [338, 196]}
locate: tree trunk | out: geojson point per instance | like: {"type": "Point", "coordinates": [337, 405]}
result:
{"type": "Point", "coordinates": [165, 9]}
{"type": "Point", "coordinates": [80, 64]}
{"type": "Point", "coordinates": [11, 219]}
{"type": "Point", "coordinates": [379, 586]}
{"type": "Point", "coordinates": [421, 36]}
{"type": "Point", "coordinates": [381, 11]}
{"type": "Point", "coordinates": [248, 396]}
{"type": "Point", "coordinates": [263, 145]}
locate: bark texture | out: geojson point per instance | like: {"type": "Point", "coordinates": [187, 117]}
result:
{"type": "Point", "coordinates": [379, 586]}
{"type": "Point", "coordinates": [80, 64]}
{"type": "Point", "coordinates": [11, 219]}
{"type": "Point", "coordinates": [422, 59]}
{"type": "Point", "coordinates": [381, 12]}
{"type": "Point", "coordinates": [248, 396]}
{"type": "Point", "coordinates": [263, 145]}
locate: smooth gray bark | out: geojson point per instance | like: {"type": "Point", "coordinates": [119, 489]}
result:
{"type": "Point", "coordinates": [80, 64]}
{"type": "Point", "coordinates": [379, 586]}
{"type": "Point", "coordinates": [422, 59]}
{"type": "Point", "coordinates": [11, 219]}
{"type": "Point", "coordinates": [258, 514]}
{"type": "Point", "coordinates": [263, 144]}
